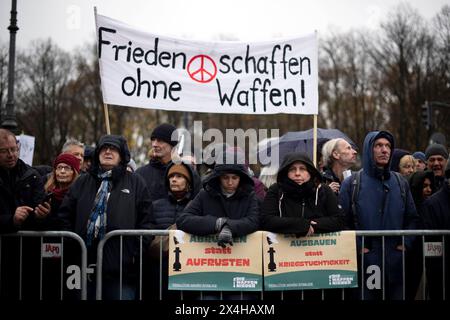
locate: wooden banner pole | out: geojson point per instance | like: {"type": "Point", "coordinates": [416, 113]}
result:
{"type": "Point", "coordinates": [315, 141]}
{"type": "Point", "coordinates": [108, 128]}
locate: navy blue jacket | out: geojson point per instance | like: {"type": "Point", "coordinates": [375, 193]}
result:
{"type": "Point", "coordinates": [380, 207]}
{"type": "Point", "coordinates": [167, 209]}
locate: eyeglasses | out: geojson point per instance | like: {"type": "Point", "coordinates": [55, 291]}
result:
{"type": "Point", "coordinates": [65, 168]}
{"type": "Point", "coordinates": [12, 150]}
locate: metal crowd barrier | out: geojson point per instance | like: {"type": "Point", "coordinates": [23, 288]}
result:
{"type": "Point", "coordinates": [361, 234]}
{"type": "Point", "coordinates": [41, 235]}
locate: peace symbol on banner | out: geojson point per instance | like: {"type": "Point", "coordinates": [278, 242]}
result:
{"type": "Point", "coordinates": [202, 68]}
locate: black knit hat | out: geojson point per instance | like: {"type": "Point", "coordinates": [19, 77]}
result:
{"type": "Point", "coordinates": [164, 133]}
{"type": "Point", "coordinates": [436, 149]}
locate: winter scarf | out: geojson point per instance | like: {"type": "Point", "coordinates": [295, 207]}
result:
{"type": "Point", "coordinates": [97, 220]}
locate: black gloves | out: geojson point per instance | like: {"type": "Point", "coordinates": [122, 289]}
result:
{"type": "Point", "coordinates": [225, 236]}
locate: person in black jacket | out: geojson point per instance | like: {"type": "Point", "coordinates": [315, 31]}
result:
{"type": "Point", "coordinates": [299, 203]}
{"type": "Point", "coordinates": [22, 207]}
{"type": "Point", "coordinates": [109, 198]}
{"type": "Point", "coordinates": [422, 187]}
{"type": "Point", "coordinates": [436, 216]}
{"type": "Point", "coordinates": [160, 158]}
{"type": "Point", "coordinates": [226, 206]}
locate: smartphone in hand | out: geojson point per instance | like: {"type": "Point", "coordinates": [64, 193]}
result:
{"type": "Point", "coordinates": [48, 197]}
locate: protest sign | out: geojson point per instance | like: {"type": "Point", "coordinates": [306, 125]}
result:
{"type": "Point", "coordinates": [26, 152]}
{"type": "Point", "coordinates": [198, 263]}
{"type": "Point", "coordinates": [320, 261]}
{"type": "Point", "coordinates": [140, 69]}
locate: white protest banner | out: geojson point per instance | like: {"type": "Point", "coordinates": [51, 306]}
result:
{"type": "Point", "coordinates": [143, 70]}
{"type": "Point", "coordinates": [26, 148]}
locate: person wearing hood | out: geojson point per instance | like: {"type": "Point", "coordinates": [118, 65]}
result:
{"type": "Point", "coordinates": [422, 187]}
{"type": "Point", "coordinates": [109, 198]}
{"type": "Point", "coordinates": [299, 203]}
{"type": "Point", "coordinates": [383, 202]}
{"type": "Point", "coordinates": [227, 204]}
{"type": "Point", "coordinates": [436, 216]}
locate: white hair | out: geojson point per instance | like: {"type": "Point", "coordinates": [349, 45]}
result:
{"type": "Point", "coordinates": [327, 150]}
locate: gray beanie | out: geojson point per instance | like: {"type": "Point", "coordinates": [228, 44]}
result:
{"type": "Point", "coordinates": [436, 149]}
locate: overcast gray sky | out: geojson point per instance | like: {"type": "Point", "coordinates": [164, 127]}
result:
{"type": "Point", "coordinates": [70, 23]}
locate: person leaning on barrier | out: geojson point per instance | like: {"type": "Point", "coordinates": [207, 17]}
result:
{"type": "Point", "coordinates": [299, 203]}
{"type": "Point", "coordinates": [227, 205]}
{"type": "Point", "coordinates": [380, 201]}
{"type": "Point", "coordinates": [436, 216]}
{"type": "Point", "coordinates": [109, 198]}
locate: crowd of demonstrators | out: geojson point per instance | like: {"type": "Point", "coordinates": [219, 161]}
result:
{"type": "Point", "coordinates": [338, 157]}
{"type": "Point", "coordinates": [160, 158]}
{"type": "Point", "coordinates": [97, 190]}
{"type": "Point", "coordinates": [437, 157]}
{"type": "Point", "coordinates": [382, 201]}
{"type": "Point", "coordinates": [109, 198]}
{"type": "Point", "coordinates": [436, 216]}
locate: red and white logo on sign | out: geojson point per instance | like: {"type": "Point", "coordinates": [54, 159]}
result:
{"type": "Point", "coordinates": [202, 68]}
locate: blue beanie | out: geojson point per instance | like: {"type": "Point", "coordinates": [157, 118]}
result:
{"type": "Point", "coordinates": [419, 155]}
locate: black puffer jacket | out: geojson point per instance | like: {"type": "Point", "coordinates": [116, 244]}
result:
{"type": "Point", "coordinates": [129, 207]}
{"type": "Point", "coordinates": [167, 209]}
{"type": "Point", "coordinates": [153, 174]}
{"type": "Point", "coordinates": [289, 207]}
{"type": "Point", "coordinates": [241, 209]}
{"type": "Point", "coordinates": [20, 186]}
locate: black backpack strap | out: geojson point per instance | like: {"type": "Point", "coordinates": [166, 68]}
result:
{"type": "Point", "coordinates": [356, 182]}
